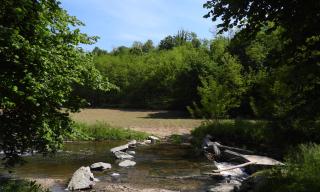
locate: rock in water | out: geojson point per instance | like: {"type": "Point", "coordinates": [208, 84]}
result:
{"type": "Point", "coordinates": [115, 177]}
{"type": "Point", "coordinates": [127, 163]}
{"type": "Point", "coordinates": [131, 152]}
{"type": "Point", "coordinates": [122, 155]}
{"type": "Point", "coordinates": [119, 148]}
{"type": "Point", "coordinates": [81, 179]}
{"type": "Point", "coordinates": [100, 166]}
{"type": "Point", "coordinates": [153, 139]}
{"type": "Point", "coordinates": [132, 144]}
{"type": "Point", "coordinates": [225, 187]}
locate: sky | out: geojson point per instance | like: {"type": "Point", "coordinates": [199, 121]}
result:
{"type": "Point", "coordinates": [121, 22]}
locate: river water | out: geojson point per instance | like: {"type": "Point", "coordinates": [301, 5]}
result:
{"type": "Point", "coordinates": [156, 165]}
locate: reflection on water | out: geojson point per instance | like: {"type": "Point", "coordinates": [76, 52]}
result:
{"type": "Point", "coordinates": [154, 164]}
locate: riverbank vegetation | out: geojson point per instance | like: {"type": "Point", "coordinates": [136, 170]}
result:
{"type": "Point", "coordinates": [9, 185]}
{"type": "Point", "coordinates": [299, 174]}
{"type": "Point", "coordinates": [103, 131]}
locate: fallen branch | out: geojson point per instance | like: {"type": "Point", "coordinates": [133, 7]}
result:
{"type": "Point", "coordinates": [234, 167]}
{"type": "Point", "coordinates": [260, 160]}
{"type": "Point", "coordinates": [233, 148]}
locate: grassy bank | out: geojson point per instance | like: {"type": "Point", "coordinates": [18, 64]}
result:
{"type": "Point", "coordinates": [300, 174]}
{"type": "Point", "coordinates": [103, 131]}
{"type": "Point", "coordinates": [243, 133]}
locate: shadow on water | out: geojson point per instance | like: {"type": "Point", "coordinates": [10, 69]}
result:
{"type": "Point", "coordinates": [155, 164]}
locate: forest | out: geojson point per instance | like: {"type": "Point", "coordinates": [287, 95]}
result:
{"type": "Point", "coordinates": [255, 84]}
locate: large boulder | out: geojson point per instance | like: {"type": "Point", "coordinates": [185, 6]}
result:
{"type": "Point", "coordinates": [127, 163]}
{"type": "Point", "coordinates": [82, 179]}
{"type": "Point", "coordinates": [100, 166]}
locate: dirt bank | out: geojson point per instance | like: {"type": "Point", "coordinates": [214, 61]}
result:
{"type": "Point", "coordinates": [161, 123]}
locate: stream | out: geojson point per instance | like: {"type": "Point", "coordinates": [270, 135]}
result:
{"type": "Point", "coordinates": [155, 165]}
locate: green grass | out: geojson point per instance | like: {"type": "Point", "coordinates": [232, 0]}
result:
{"type": "Point", "coordinates": [300, 174]}
{"type": "Point", "coordinates": [103, 131]}
{"type": "Point", "coordinates": [7, 185]}
{"type": "Point", "coordinates": [176, 139]}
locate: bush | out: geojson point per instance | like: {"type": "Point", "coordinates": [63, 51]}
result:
{"type": "Point", "coordinates": [7, 185]}
{"type": "Point", "coordinates": [301, 173]}
{"type": "Point", "coordinates": [245, 133]}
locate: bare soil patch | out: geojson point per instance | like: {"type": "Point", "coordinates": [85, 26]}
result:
{"type": "Point", "coordinates": [161, 123]}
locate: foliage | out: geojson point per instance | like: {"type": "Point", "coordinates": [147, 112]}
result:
{"type": "Point", "coordinates": [103, 131]}
{"type": "Point", "coordinates": [157, 79]}
{"type": "Point", "coordinates": [289, 92]}
{"type": "Point", "coordinates": [20, 186]}
{"type": "Point", "coordinates": [221, 90]}
{"type": "Point", "coordinates": [173, 78]}
{"type": "Point", "coordinates": [300, 174]}
{"type": "Point", "coordinates": [176, 139]}
{"type": "Point", "coordinates": [252, 134]}
{"type": "Point", "coordinates": [98, 51]}
{"type": "Point", "coordinates": [181, 38]}
{"type": "Point", "coordinates": [40, 64]}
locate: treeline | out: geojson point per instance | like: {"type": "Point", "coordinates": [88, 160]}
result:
{"type": "Point", "coordinates": [167, 76]}
{"type": "Point", "coordinates": [212, 78]}
{"type": "Point", "coordinates": [244, 76]}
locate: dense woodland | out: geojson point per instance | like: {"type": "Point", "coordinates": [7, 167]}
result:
{"type": "Point", "coordinates": [223, 77]}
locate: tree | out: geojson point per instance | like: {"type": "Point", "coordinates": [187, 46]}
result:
{"type": "Point", "coordinates": [294, 76]}
{"type": "Point", "coordinates": [41, 63]}
{"type": "Point", "coordinates": [147, 46]}
{"type": "Point", "coordinates": [221, 90]}
{"type": "Point", "coordinates": [98, 51]}
{"type": "Point", "coordinates": [167, 43]}
{"type": "Point", "coordinates": [136, 48]}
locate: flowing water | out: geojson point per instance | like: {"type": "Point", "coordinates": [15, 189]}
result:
{"type": "Point", "coordinates": [156, 165]}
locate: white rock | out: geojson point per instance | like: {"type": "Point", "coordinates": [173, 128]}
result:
{"type": "Point", "coordinates": [153, 138]}
{"type": "Point", "coordinates": [81, 179]}
{"type": "Point", "coordinates": [100, 166]}
{"type": "Point", "coordinates": [234, 173]}
{"type": "Point", "coordinates": [147, 141]}
{"type": "Point", "coordinates": [225, 187]}
{"type": "Point", "coordinates": [119, 148]}
{"type": "Point", "coordinates": [115, 175]}
{"type": "Point", "coordinates": [131, 152]}
{"type": "Point", "coordinates": [132, 143]}
{"type": "Point", "coordinates": [123, 155]}
{"type": "Point", "coordinates": [127, 163]}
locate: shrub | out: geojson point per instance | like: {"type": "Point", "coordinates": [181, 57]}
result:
{"type": "Point", "coordinates": [301, 173]}
{"type": "Point", "coordinates": [7, 185]}
{"type": "Point", "coordinates": [246, 133]}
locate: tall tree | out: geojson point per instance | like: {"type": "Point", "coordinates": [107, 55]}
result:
{"type": "Point", "coordinates": [40, 63]}
{"type": "Point", "coordinates": [294, 79]}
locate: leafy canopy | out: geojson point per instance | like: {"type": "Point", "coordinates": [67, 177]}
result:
{"type": "Point", "coordinates": [40, 63]}
{"type": "Point", "coordinates": [292, 83]}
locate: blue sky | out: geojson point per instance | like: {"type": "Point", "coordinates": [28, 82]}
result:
{"type": "Point", "coordinates": [120, 22]}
